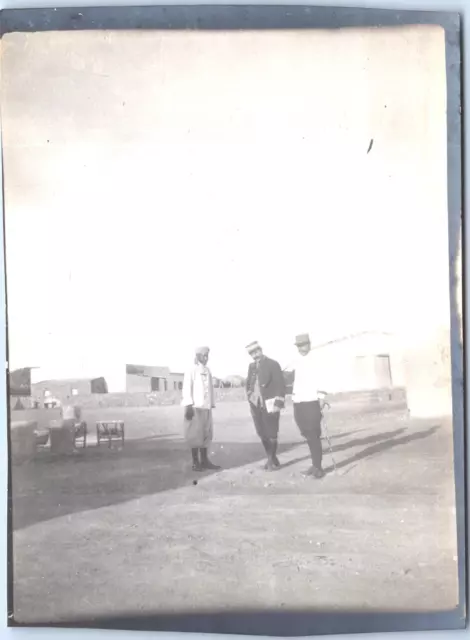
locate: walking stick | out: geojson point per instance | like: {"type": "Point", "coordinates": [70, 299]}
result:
{"type": "Point", "coordinates": [325, 429]}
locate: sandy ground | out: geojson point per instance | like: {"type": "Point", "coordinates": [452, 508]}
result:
{"type": "Point", "coordinates": [135, 531]}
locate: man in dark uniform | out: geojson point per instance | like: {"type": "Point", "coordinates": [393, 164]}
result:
{"type": "Point", "coordinates": [265, 389]}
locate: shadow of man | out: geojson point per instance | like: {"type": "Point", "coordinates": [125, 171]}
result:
{"type": "Point", "coordinates": [381, 447]}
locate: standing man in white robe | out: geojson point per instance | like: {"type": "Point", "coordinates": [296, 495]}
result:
{"type": "Point", "coordinates": [198, 402]}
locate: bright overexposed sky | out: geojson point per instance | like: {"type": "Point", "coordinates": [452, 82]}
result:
{"type": "Point", "coordinates": [165, 189]}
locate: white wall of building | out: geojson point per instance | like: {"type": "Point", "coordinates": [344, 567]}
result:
{"type": "Point", "coordinates": [341, 371]}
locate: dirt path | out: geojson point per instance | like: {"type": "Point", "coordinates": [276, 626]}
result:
{"type": "Point", "coordinates": [378, 534]}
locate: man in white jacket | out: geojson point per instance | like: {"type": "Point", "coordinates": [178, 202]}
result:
{"type": "Point", "coordinates": [198, 402]}
{"type": "Point", "coordinates": [306, 397]}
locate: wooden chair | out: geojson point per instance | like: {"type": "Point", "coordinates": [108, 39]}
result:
{"type": "Point", "coordinates": [109, 430]}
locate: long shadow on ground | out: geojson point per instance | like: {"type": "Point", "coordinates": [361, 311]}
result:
{"type": "Point", "coordinates": [49, 487]}
{"type": "Point", "coordinates": [378, 444]}
{"type": "Point", "coordinates": [380, 447]}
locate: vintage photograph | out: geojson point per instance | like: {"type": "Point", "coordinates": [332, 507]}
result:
{"type": "Point", "coordinates": [230, 296]}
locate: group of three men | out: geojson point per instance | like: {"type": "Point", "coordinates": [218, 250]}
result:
{"type": "Point", "coordinates": [266, 392]}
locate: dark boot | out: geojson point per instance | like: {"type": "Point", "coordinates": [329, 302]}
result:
{"type": "Point", "coordinates": [196, 463]}
{"type": "Point", "coordinates": [313, 472]}
{"type": "Point", "coordinates": [276, 462]}
{"type": "Point", "coordinates": [267, 465]}
{"type": "Point", "coordinates": [315, 446]}
{"type": "Point", "coordinates": [206, 463]}
{"type": "Point", "coordinates": [265, 444]}
{"type": "Point", "coordinates": [272, 463]}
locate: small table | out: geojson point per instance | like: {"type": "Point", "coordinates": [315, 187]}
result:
{"type": "Point", "coordinates": [109, 430]}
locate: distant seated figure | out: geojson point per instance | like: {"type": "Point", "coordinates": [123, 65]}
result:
{"type": "Point", "coordinates": [77, 410]}
{"type": "Point", "coordinates": [72, 417]}
{"type": "Point", "coordinates": [67, 411]}
{"type": "Point", "coordinates": [63, 438]}
{"type": "Point", "coordinates": [70, 411]}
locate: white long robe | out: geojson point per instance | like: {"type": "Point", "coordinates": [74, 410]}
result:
{"type": "Point", "coordinates": [198, 392]}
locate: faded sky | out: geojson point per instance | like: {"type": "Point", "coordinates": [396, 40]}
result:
{"type": "Point", "coordinates": [170, 189]}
